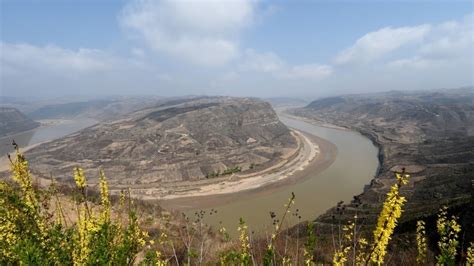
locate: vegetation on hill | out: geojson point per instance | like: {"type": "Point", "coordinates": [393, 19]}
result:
{"type": "Point", "coordinates": [168, 146]}
{"type": "Point", "coordinates": [34, 230]}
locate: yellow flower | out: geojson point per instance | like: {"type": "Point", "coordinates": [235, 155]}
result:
{"type": "Point", "coordinates": [448, 230]}
{"type": "Point", "coordinates": [421, 242]}
{"type": "Point", "coordinates": [286, 261]}
{"type": "Point", "coordinates": [470, 254]}
{"type": "Point", "coordinates": [79, 177]}
{"type": "Point", "coordinates": [340, 255]}
{"type": "Point", "coordinates": [244, 241]}
{"type": "Point", "coordinates": [387, 220]}
{"type": "Point", "coordinates": [104, 198]}
{"type": "Point", "coordinates": [159, 261]}
{"type": "Point", "coordinates": [22, 176]}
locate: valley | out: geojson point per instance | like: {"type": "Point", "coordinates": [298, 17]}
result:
{"type": "Point", "coordinates": [242, 132]}
{"type": "Point", "coordinates": [428, 134]}
{"type": "Point", "coordinates": [314, 151]}
{"type": "Point", "coordinates": [312, 167]}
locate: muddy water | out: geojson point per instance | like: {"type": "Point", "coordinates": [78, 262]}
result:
{"type": "Point", "coordinates": [44, 133]}
{"type": "Point", "coordinates": [354, 166]}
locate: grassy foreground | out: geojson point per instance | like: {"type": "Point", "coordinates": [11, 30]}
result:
{"type": "Point", "coordinates": [35, 229]}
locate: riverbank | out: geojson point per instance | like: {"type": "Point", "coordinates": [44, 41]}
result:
{"type": "Point", "coordinates": [343, 173]}
{"type": "Point", "coordinates": [437, 162]}
{"type": "Point", "coordinates": [49, 130]}
{"type": "Point", "coordinates": [346, 162]}
{"type": "Point", "coordinates": [316, 156]}
{"type": "Point", "coordinates": [372, 137]}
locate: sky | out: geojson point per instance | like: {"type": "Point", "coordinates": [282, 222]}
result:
{"type": "Point", "coordinates": [260, 48]}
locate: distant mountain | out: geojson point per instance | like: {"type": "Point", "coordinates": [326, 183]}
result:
{"type": "Point", "coordinates": [286, 102]}
{"type": "Point", "coordinates": [13, 121]}
{"type": "Point", "coordinates": [411, 117]}
{"type": "Point", "coordinates": [100, 109]}
{"type": "Point", "coordinates": [430, 134]}
{"type": "Point", "coordinates": [68, 110]}
{"type": "Point", "coordinates": [182, 141]}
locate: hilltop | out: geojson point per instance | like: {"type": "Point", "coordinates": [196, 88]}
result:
{"type": "Point", "coordinates": [178, 142]}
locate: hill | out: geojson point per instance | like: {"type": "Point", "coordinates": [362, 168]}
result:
{"type": "Point", "coordinates": [13, 121]}
{"type": "Point", "coordinates": [179, 142]}
{"type": "Point", "coordinates": [99, 109]}
{"type": "Point", "coordinates": [429, 134]}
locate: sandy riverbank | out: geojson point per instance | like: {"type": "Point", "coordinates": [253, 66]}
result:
{"type": "Point", "coordinates": [313, 156]}
{"type": "Point", "coordinates": [314, 122]}
{"type": "Point", "coordinates": [318, 154]}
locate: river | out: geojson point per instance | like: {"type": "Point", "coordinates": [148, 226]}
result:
{"type": "Point", "coordinates": [355, 165]}
{"type": "Point", "coordinates": [44, 133]}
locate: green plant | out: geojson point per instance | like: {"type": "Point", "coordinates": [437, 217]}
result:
{"type": "Point", "coordinates": [309, 245]}
{"type": "Point", "coordinates": [387, 220]}
{"type": "Point", "coordinates": [421, 242]}
{"type": "Point", "coordinates": [29, 233]}
{"type": "Point", "coordinates": [269, 256]}
{"type": "Point", "coordinates": [448, 230]}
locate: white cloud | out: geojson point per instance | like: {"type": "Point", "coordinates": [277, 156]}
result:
{"type": "Point", "coordinates": [310, 71]}
{"type": "Point", "coordinates": [261, 62]}
{"type": "Point", "coordinates": [414, 62]}
{"type": "Point", "coordinates": [447, 44]}
{"type": "Point", "coordinates": [201, 32]}
{"type": "Point", "coordinates": [137, 52]}
{"type": "Point", "coordinates": [52, 70]}
{"type": "Point", "coordinates": [54, 58]}
{"type": "Point", "coordinates": [410, 57]}
{"type": "Point", "coordinates": [272, 64]}
{"type": "Point", "coordinates": [450, 39]}
{"type": "Point", "coordinates": [377, 44]}
{"type": "Point", "coordinates": [230, 76]}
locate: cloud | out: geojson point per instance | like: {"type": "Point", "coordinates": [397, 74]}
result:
{"type": "Point", "coordinates": [137, 52]}
{"type": "Point", "coordinates": [409, 57]}
{"type": "Point", "coordinates": [54, 58]}
{"type": "Point", "coordinates": [201, 32]}
{"type": "Point", "coordinates": [377, 44]}
{"type": "Point", "coordinates": [51, 70]}
{"type": "Point", "coordinates": [261, 62]}
{"type": "Point", "coordinates": [310, 71]}
{"type": "Point", "coordinates": [447, 44]}
{"type": "Point", "coordinates": [449, 39]}
{"type": "Point", "coordinates": [270, 63]}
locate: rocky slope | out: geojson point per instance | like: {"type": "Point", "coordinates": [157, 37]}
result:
{"type": "Point", "coordinates": [180, 141]}
{"type": "Point", "coordinates": [13, 121]}
{"type": "Point", "coordinates": [430, 134]}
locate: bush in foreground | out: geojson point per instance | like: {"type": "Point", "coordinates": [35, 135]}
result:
{"type": "Point", "coordinates": [34, 231]}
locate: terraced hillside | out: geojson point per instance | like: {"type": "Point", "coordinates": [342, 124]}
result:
{"type": "Point", "coordinates": [430, 134]}
{"type": "Point", "coordinates": [183, 141]}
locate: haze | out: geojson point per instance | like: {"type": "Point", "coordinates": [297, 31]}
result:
{"type": "Point", "coordinates": [239, 48]}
